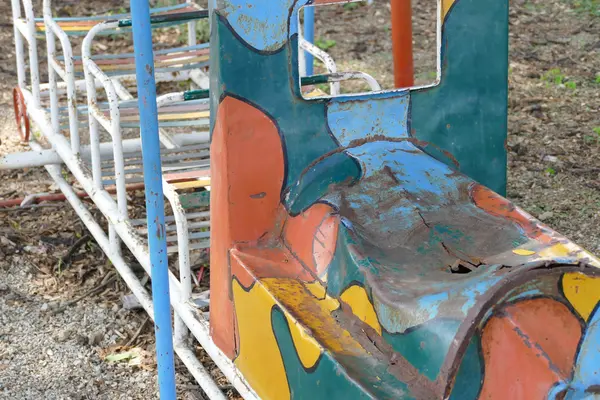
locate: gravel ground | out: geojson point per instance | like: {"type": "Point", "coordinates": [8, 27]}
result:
{"type": "Point", "coordinates": [49, 355]}
{"type": "Point", "coordinates": [44, 355]}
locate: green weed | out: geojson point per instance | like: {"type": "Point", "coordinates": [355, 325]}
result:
{"type": "Point", "coordinates": [323, 87]}
{"type": "Point", "coordinates": [553, 76]}
{"type": "Point", "coordinates": [353, 6]}
{"type": "Point", "coordinates": [591, 7]}
{"type": "Point", "coordinates": [550, 171]}
{"type": "Point", "coordinates": [556, 77]}
{"type": "Point", "coordinates": [591, 138]}
{"type": "Point", "coordinates": [325, 44]}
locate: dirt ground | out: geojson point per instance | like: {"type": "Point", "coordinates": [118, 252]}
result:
{"type": "Point", "coordinates": [47, 259]}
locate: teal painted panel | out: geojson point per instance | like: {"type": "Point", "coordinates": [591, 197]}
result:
{"type": "Point", "coordinates": [466, 114]}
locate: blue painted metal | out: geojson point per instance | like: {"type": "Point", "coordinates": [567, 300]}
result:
{"type": "Point", "coordinates": [155, 214]}
{"type": "Point", "coordinates": [309, 35]}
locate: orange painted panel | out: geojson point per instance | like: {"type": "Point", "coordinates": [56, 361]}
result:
{"type": "Point", "coordinates": [497, 205]}
{"type": "Point", "coordinates": [268, 262]}
{"type": "Point", "coordinates": [245, 197]}
{"type": "Point", "coordinates": [527, 349]}
{"type": "Point", "coordinates": [312, 235]}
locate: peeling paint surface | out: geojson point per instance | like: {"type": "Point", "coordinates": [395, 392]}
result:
{"type": "Point", "coordinates": [360, 259]}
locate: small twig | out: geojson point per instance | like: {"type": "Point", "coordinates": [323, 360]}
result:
{"type": "Point", "coordinates": [8, 209]}
{"type": "Point", "coordinates": [9, 193]}
{"type": "Point", "coordinates": [66, 259]}
{"type": "Point", "coordinates": [86, 294]}
{"type": "Point", "coordinates": [584, 170]}
{"type": "Point", "coordinates": [137, 333]}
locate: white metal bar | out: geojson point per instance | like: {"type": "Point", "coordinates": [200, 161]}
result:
{"type": "Point", "coordinates": [91, 71]}
{"type": "Point", "coordinates": [33, 58]}
{"type": "Point", "coordinates": [51, 50]}
{"type": "Point", "coordinates": [345, 76]}
{"type": "Point", "coordinates": [67, 74]}
{"type": "Point", "coordinates": [19, 50]}
{"type": "Point", "coordinates": [93, 128]}
{"type": "Point", "coordinates": [40, 158]}
{"type": "Point", "coordinates": [112, 125]}
{"type": "Point", "coordinates": [325, 58]}
{"type": "Point", "coordinates": [183, 241]}
{"type": "Point", "coordinates": [197, 370]}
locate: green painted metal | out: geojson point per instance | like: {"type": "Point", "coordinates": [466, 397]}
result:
{"type": "Point", "coordinates": [196, 94]}
{"type": "Point", "coordinates": [314, 80]}
{"type": "Point", "coordinates": [195, 199]}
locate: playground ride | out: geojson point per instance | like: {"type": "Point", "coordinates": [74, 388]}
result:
{"type": "Point", "coordinates": [359, 248]}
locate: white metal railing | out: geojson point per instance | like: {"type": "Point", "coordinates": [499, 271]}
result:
{"type": "Point", "coordinates": [26, 29]}
{"type": "Point", "coordinates": [111, 125]}
{"type": "Point", "coordinates": [325, 58]}
{"type": "Point", "coordinates": [71, 153]}
{"type": "Point", "coordinates": [67, 74]}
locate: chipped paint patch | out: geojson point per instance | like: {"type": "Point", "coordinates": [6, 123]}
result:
{"type": "Point", "coordinates": [523, 252]}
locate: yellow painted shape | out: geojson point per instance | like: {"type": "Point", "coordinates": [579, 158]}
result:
{"type": "Point", "coordinates": [202, 182]}
{"type": "Point", "coordinates": [356, 297]}
{"type": "Point", "coordinates": [446, 5]}
{"type": "Point", "coordinates": [558, 250]}
{"type": "Point", "coordinates": [319, 291]}
{"type": "Point", "coordinates": [306, 346]}
{"type": "Point", "coordinates": [568, 250]}
{"type": "Point", "coordinates": [74, 28]}
{"type": "Point", "coordinates": [171, 117]}
{"type": "Point", "coordinates": [582, 291]}
{"type": "Point", "coordinates": [523, 252]}
{"type": "Point", "coordinates": [314, 312]}
{"type": "Point", "coordinates": [192, 115]}
{"type": "Point", "coordinates": [259, 357]}
{"type": "Point", "coordinates": [315, 93]}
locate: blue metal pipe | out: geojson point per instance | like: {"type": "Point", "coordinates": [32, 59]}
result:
{"type": "Point", "coordinates": [155, 208]}
{"type": "Point", "coordinates": [309, 35]}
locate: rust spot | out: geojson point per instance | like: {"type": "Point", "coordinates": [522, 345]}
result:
{"type": "Point", "coordinates": [258, 195]}
{"type": "Point", "coordinates": [451, 157]}
{"type": "Point", "coordinates": [390, 173]}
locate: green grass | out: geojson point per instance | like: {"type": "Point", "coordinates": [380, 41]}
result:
{"type": "Point", "coordinates": [325, 44]}
{"type": "Point", "coordinates": [590, 7]}
{"type": "Point", "coordinates": [353, 6]}
{"type": "Point", "coordinates": [595, 137]}
{"type": "Point", "coordinates": [571, 85]}
{"type": "Point", "coordinates": [550, 171]}
{"type": "Point", "coordinates": [556, 77]}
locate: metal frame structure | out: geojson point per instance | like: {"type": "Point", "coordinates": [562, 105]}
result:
{"type": "Point", "coordinates": [112, 156]}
